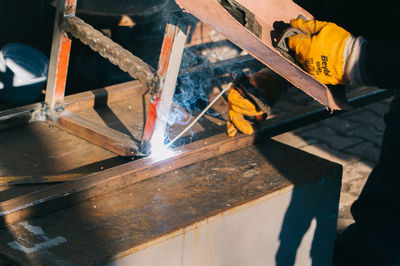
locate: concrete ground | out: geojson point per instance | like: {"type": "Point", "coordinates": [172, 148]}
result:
{"type": "Point", "coordinates": [352, 139]}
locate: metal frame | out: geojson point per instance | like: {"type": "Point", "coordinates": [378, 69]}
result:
{"type": "Point", "coordinates": [62, 195]}
{"type": "Point", "coordinates": [161, 84]}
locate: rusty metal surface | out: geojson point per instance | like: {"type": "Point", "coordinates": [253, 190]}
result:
{"type": "Point", "coordinates": [112, 51]}
{"type": "Point", "coordinates": [118, 221]}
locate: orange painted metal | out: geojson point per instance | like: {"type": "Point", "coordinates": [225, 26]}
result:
{"type": "Point", "coordinates": [151, 120]}
{"type": "Point", "coordinates": [59, 59]}
{"type": "Point", "coordinates": [155, 101]}
{"type": "Point", "coordinates": [62, 68]}
{"type": "Point", "coordinates": [165, 53]}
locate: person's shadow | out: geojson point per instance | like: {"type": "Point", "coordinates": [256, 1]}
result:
{"type": "Point", "coordinates": [304, 221]}
{"type": "Point", "coordinates": [309, 223]}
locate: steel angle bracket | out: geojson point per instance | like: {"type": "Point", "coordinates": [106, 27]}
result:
{"type": "Point", "coordinates": [251, 24]}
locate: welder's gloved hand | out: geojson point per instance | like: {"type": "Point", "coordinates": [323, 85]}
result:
{"type": "Point", "coordinates": [238, 108]}
{"type": "Point", "coordinates": [328, 52]}
{"type": "Point", "coordinates": [252, 98]}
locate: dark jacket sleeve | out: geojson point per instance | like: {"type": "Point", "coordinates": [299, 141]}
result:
{"type": "Point", "coordinates": [382, 63]}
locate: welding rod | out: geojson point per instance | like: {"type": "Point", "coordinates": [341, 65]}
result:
{"type": "Point", "coordinates": [200, 115]}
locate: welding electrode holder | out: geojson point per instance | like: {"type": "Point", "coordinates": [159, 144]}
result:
{"type": "Point", "coordinates": [248, 91]}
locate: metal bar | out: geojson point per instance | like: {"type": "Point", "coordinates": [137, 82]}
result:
{"type": "Point", "coordinates": [168, 69]}
{"type": "Point", "coordinates": [19, 116]}
{"type": "Point", "coordinates": [62, 195]}
{"type": "Point", "coordinates": [59, 58]}
{"type": "Point", "coordinates": [37, 179]}
{"type": "Point", "coordinates": [103, 136]}
{"type": "Point", "coordinates": [112, 51]}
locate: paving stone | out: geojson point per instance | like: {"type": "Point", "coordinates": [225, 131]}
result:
{"type": "Point", "coordinates": [357, 170]}
{"type": "Point", "coordinates": [344, 218]}
{"type": "Point", "coordinates": [330, 137]}
{"type": "Point", "coordinates": [346, 199]}
{"type": "Point", "coordinates": [366, 117]}
{"type": "Point", "coordinates": [345, 187]}
{"type": "Point", "coordinates": [340, 125]}
{"type": "Point", "coordinates": [379, 108]}
{"type": "Point", "coordinates": [366, 132]}
{"type": "Point", "coordinates": [324, 151]}
{"type": "Point", "coordinates": [367, 150]}
{"type": "Point", "coordinates": [345, 213]}
{"type": "Point", "coordinates": [293, 140]}
{"type": "Point", "coordinates": [357, 186]}
{"type": "Point", "coordinates": [343, 223]}
{"type": "Point", "coordinates": [306, 128]}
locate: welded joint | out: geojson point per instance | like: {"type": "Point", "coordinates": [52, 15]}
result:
{"type": "Point", "coordinates": [45, 113]}
{"type": "Point", "coordinates": [38, 115]}
{"type": "Point", "coordinates": [65, 9]}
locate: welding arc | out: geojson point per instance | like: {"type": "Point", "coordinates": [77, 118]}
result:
{"type": "Point", "coordinates": [200, 115]}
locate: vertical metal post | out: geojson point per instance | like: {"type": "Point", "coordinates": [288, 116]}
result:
{"type": "Point", "coordinates": [168, 69]}
{"type": "Point", "coordinates": [59, 58]}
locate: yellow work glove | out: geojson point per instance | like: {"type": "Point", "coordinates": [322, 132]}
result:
{"type": "Point", "coordinates": [264, 88]}
{"type": "Point", "coordinates": [326, 51]}
{"type": "Point", "coordinates": [238, 107]}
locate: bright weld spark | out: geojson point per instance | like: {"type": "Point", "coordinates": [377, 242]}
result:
{"type": "Point", "coordinates": [158, 149]}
